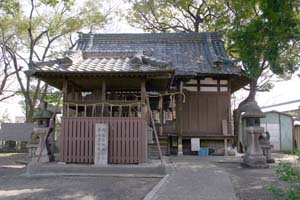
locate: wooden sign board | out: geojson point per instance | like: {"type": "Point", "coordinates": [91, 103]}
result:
{"type": "Point", "coordinates": [195, 144]}
{"type": "Point", "coordinates": [101, 144]}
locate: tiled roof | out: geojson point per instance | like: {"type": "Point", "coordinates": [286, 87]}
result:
{"type": "Point", "coordinates": [75, 62]}
{"type": "Point", "coordinates": [186, 53]}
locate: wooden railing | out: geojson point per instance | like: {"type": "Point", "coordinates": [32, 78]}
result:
{"type": "Point", "coordinates": [108, 108]}
{"type": "Point", "coordinates": [127, 139]}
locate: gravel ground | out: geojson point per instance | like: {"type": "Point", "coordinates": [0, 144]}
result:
{"type": "Point", "coordinates": [14, 187]}
{"type": "Point", "coordinates": [252, 184]}
{"type": "Point", "coordinates": [249, 184]}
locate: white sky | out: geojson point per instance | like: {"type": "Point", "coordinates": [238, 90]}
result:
{"type": "Point", "coordinates": [282, 92]}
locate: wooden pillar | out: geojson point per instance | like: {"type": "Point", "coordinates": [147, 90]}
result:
{"type": "Point", "coordinates": [179, 120]}
{"type": "Point", "coordinates": [161, 114]}
{"type": "Point", "coordinates": [103, 91]}
{"type": "Point", "coordinates": [52, 136]}
{"type": "Point", "coordinates": [144, 113]}
{"type": "Point", "coordinates": [143, 97]}
{"type": "Point", "coordinates": [230, 117]}
{"type": "Point", "coordinates": [103, 97]}
{"type": "Point", "coordinates": [65, 95]}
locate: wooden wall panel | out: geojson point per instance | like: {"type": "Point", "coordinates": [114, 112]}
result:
{"type": "Point", "coordinates": [203, 113]}
{"type": "Point", "coordinates": [212, 113]}
{"type": "Point", "coordinates": [127, 138]}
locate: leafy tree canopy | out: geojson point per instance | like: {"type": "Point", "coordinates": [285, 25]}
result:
{"type": "Point", "coordinates": [264, 34]}
{"type": "Point", "coordinates": [36, 30]}
{"type": "Point", "coordinates": [175, 15]}
{"type": "Point", "coordinates": [261, 34]}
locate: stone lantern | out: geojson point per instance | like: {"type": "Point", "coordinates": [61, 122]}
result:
{"type": "Point", "coordinates": [251, 115]}
{"type": "Point", "coordinates": [42, 116]}
{"type": "Point", "coordinates": [42, 119]}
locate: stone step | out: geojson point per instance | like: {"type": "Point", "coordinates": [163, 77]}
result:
{"type": "Point", "coordinates": [153, 152]}
{"type": "Point", "coordinates": [156, 149]}
{"type": "Point", "coordinates": [162, 140]}
{"type": "Point", "coordinates": [151, 169]}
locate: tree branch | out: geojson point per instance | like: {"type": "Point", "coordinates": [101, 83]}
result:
{"type": "Point", "coordinates": [8, 96]}
{"type": "Point", "coordinates": [15, 64]}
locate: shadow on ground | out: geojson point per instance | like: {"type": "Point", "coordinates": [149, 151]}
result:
{"type": "Point", "coordinates": [15, 187]}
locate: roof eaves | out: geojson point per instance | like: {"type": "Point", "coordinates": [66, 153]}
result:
{"type": "Point", "coordinates": [95, 73]}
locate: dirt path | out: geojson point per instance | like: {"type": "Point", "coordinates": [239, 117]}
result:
{"type": "Point", "coordinates": [15, 187]}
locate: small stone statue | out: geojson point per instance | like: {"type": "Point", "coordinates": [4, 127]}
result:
{"type": "Point", "coordinates": [264, 141]}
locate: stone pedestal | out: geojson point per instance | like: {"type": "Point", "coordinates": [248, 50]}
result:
{"type": "Point", "coordinates": [32, 150]}
{"type": "Point", "coordinates": [254, 157]}
{"type": "Point", "coordinates": [266, 148]}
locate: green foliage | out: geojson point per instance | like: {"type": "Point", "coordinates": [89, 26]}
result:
{"type": "Point", "coordinates": [53, 3]}
{"type": "Point", "coordinates": [93, 17]}
{"type": "Point", "coordinates": [263, 34]}
{"type": "Point", "coordinates": [10, 7]}
{"type": "Point", "coordinates": [289, 173]}
{"type": "Point", "coordinates": [175, 15]}
{"type": "Point", "coordinates": [296, 152]}
{"type": "Point", "coordinates": [51, 22]}
{"type": "Point", "coordinates": [39, 30]}
{"type": "Point", "coordinates": [51, 96]}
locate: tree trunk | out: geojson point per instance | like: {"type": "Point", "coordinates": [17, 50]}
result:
{"type": "Point", "coordinates": [237, 113]}
{"type": "Point", "coordinates": [29, 113]}
{"type": "Point", "coordinates": [28, 101]}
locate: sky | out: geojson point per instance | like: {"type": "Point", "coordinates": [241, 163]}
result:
{"type": "Point", "coordinates": [283, 91]}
